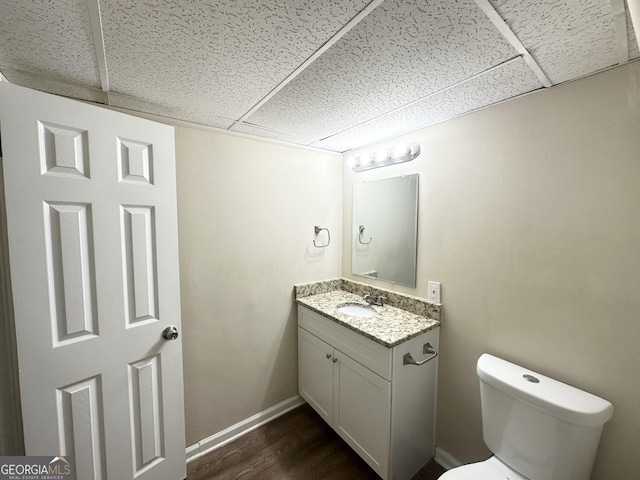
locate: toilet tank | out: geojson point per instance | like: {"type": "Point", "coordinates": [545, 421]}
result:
{"type": "Point", "coordinates": [539, 427]}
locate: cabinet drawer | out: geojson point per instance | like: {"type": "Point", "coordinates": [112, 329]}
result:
{"type": "Point", "coordinates": [372, 355]}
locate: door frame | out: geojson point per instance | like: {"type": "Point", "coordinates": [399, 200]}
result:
{"type": "Point", "coordinates": [10, 406]}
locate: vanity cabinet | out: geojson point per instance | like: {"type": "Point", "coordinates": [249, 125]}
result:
{"type": "Point", "coordinates": [383, 409]}
{"type": "Point", "coordinates": [349, 397]}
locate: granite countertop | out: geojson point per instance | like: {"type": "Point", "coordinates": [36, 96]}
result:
{"type": "Point", "coordinates": [390, 326]}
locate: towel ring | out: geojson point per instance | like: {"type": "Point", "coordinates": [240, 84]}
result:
{"type": "Point", "coordinates": [360, 232]}
{"type": "Point", "coordinates": [317, 230]}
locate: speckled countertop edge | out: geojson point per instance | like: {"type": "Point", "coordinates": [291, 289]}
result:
{"type": "Point", "coordinates": [416, 305]}
{"type": "Point", "coordinates": [390, 326]}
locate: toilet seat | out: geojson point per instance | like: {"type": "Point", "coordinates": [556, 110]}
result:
{"type": "Point", "coordinates": [492, 469]}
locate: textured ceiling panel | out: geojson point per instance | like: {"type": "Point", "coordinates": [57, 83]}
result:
{"type": "Point", "coordinates": [567, 38]}
{"type": "Point", "coordinates": [509, 80]}
{"type": "Point", "coordinates": [262, 132]}
{"type": "Point", "coordinates": [400, 52]}
{"type": "Point", "coordinates": [202, 114]}
{"type": "Point", "coordinates": [49, 85]}
{"type": "Point", "coordinates": [226, 55]}
{"type": "Point", "coordinates": [347, 71]}
{"type": "Point", "coordinates": [50, 39]}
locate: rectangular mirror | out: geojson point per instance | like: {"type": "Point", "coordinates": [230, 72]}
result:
{"type": "Point", "coordinates": [385, 229]}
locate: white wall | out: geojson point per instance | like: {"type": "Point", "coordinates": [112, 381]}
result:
{"type": "Point", "coordinates": [246, 212]}
{"type": "Point", "coordinates": [529, 215]}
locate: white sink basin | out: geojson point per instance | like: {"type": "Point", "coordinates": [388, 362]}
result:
{"type": "Point", "coordinates": [356, 310]}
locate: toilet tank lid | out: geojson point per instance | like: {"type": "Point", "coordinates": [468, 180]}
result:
{"type": "Point", "coordinates": [556, 398]}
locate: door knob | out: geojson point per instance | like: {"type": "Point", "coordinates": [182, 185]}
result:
{"type": "Point", "coordinates": [170, 333]}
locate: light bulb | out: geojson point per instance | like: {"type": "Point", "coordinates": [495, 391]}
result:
{"type": "Point", "coordinates": [381, 155]}
{"type": "Point", "coordinates": [400, 150]}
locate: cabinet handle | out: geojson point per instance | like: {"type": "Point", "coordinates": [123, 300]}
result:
{"type": "Point", "coordinates": [407, 359]}
{"type": "Point", "coordinates": [328, 355]}
{"type": "Point", "coordinates": [335, 360]}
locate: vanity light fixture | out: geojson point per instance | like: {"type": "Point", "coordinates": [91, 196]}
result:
{"type": "Point", "coordinates": [402, 152]}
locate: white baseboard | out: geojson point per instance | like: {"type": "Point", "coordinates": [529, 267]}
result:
{"type": "Point", "coordinates": [193, 452]}
{"type": "Point", "coordinates": [234, 432]}
{"type": "Point", "coordinates": [445, 459]}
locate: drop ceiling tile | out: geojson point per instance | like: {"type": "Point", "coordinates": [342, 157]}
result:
{"type": "Point", "coordinates": [400, 52]}
{"type": "Point", "coordinates": [263, 132]}
{"type": "Point", "coordinates": [49, 39]}
{"type": "Point", "coordinates": [47, 84]}
{"type": "Point", "coordinates": [567, 38]}
{"type": "Point", "coordinates": [228, 54]}
{"type": "Point", "coordinates": [509, 80]}
{"type": "Point", "coordinates": [201, 114]}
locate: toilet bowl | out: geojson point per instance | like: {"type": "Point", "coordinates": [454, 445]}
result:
{"type": "Point", "coordinates": [536, 427]}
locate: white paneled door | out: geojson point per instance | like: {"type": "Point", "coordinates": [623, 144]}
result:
{"type": "Point", "coordinates": [91, 208]}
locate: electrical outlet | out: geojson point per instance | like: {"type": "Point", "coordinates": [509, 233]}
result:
{"type": "Point", "coordinates": [434, 291]}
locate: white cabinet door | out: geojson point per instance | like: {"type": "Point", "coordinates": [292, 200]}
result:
{"type": "Point", "coordinates": [362, 411]}
{"type": "Point", "coordinates": [91, 209]}
{"type": "Point", "coordinates": [315, 373]}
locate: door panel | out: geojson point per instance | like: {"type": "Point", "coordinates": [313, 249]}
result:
{"type": "Point", "coordinates": [63, 150]}
{"type": "Point", "coordinates": [81, 423]}
{"type": "Point", "coordinates": [315, 373]}
{"type": "Point", "coordinates": [139, 259]}
{"type": "Point", "coordinates": [91, 214]}
{"type": "Point", "coordinates": [147, 431]}
{"type": "Point", "coordinates": [135, 161]}
{"type": "Point", "coordinates": [70, 271]}
{"type": "Point", "coordinates": [362, 412]}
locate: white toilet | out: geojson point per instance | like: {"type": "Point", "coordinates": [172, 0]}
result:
{"type": "Point", "coordinates": [536, 427]}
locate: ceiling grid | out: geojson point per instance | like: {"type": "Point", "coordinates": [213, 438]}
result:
{"type": "Point", "coordinates": [354, 21]}
{"type": "Point", "coordinates": [620, 21]}
{"type": "Point", "coordinates": [335, 75]}
{"type": "Point", "coordinates": [401, 52]}
{"type": "Point", "coordinates": [508, 80]}
{"type": "Point", "coordinates": [510, 37]}
{"type": "Point", "coordinates": [98, 40]}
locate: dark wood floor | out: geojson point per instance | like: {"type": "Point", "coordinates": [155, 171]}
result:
{"type": "Point", "coordinates": [298, 445]}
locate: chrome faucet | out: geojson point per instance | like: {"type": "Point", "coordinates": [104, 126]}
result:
{"type": "Point", "coordinates": [371, 300]}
